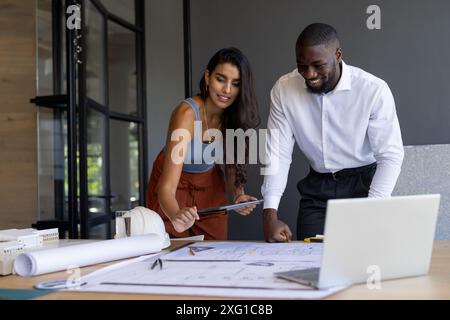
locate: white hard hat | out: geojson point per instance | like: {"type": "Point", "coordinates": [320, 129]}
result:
{"type": "Point", "coordinates": [146, 221]}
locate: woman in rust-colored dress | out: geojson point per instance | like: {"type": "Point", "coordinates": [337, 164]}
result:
{"type": "Point", "coordinates": [189, 173]}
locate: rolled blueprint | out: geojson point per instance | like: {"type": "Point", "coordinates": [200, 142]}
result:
{"type": "Point", "coordinates": [58, 259]}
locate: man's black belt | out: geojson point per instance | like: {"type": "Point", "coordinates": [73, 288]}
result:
{"type": "Point", "coordinates": [341, 174]}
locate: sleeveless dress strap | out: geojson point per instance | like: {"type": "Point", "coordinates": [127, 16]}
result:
{"type": "Point", "coordinates": [194, 107]}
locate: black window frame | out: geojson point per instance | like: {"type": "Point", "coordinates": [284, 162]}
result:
{"type": "Point", "coordinates": [78, 211]}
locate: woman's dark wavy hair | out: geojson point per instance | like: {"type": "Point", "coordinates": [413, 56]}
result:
{"type": "Point", "coordinates": [243, 113]}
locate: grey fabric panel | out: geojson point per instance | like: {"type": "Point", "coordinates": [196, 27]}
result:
{"type": "Point", "coordinates": [426, 170]}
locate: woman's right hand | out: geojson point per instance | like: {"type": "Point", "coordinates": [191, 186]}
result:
{"type": "Point", "coordinates": [185, 218]}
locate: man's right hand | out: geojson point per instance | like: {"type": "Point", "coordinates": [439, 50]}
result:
{"type": "Point", "coordinates": [275, 230]}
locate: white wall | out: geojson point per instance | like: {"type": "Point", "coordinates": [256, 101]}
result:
{"type": "Point", "coordinates": [165, 68]}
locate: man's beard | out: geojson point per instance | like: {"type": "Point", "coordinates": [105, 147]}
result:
{"type": "Point", "coordinates": [326, 86]}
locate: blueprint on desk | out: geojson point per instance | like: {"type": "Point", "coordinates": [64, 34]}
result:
{"type": "Point", "coordinates": [222, 269]}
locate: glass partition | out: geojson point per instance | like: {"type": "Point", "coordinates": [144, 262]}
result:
{"type": "Point", "coordinates": [124, 9]}
{"type": "Point", "coordinates": [109, 109]}
{"type": "Point", "coordinates": [95, 54]}
{"type": "Point", "coordinates": [124, 142]}
{"type": "Point", "coordinates": [122, 69]}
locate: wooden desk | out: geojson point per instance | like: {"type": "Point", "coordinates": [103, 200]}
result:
{"type": "Point", "coordinates": [435, 285]}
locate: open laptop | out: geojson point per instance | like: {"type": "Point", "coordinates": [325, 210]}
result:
{"type": "Point", "coordinates": [387, 237]}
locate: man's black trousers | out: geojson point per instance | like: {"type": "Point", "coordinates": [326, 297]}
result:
{"type": "Point", "coordinates": [317, 188]}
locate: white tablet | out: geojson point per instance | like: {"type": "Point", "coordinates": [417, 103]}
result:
{"type": "Point", "coordinates": [207, 211]}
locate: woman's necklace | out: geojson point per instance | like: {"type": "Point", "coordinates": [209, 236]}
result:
{"type": "Point", "coordinates": [211, 139]}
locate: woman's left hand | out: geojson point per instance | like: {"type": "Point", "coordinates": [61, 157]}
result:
{"type": "Point", "coordinates": [245, 210]}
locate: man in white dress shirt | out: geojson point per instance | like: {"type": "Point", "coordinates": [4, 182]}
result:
{"type": "Point", "coordinates": [344, 121]}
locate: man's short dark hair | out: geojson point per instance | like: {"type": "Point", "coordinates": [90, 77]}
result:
{"type": "Point", "coordinates": [318, 34]}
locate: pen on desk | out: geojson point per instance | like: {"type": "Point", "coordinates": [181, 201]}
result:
{"type": "Point", "coordinates": [191, 251]}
